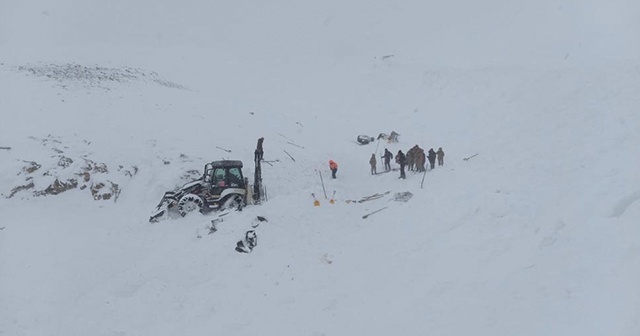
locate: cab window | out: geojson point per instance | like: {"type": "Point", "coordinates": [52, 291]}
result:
{"type": "Point", "coordinates": [235, 177]}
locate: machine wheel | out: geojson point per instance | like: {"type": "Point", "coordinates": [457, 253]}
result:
{"type": "Point", "coordinates": [189, 203]}
{"type": "Point", "coordinates": [233, 202]}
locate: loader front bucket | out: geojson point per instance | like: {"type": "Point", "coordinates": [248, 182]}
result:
{"type": "Point", "coordinates": [163, 207]}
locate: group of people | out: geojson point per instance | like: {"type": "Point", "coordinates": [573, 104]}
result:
{"type": "Point", "coordinates": [415, 159]}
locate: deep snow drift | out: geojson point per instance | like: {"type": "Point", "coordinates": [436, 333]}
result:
{"type": "Point", "coordinates": [535, 235]}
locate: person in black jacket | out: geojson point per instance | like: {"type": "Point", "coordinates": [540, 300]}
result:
{"type": "Point", "coordinates": [259, 152]}
{"type": "Point", "coordinates": [387, 160]}
{"type": "Point", "coordinates": [432, 158]}
{"type": "Point", "coordinates": [401, 159]}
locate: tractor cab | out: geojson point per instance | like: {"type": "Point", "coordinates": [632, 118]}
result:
{"type": "Point", "coordinates": [220, 175]}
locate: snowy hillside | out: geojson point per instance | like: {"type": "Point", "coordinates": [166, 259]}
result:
{"type": "Point", "coordinates": [107, 105]}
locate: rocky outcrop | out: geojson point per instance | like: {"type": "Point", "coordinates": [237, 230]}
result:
{"type": "Point", "coordinates": [63, 172]}
{"type": "Point", "coordinates": [57, 187]}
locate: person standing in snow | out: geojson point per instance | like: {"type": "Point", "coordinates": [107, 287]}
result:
{"type": "Point", "coordinates": [334, 168]}
{"type": "Point", "coordinates": [440, 154]}
{"type": "Point", "coordinates": [259, 151]}
{"type": "Point", "coordinates": [411, 157]}
{"type": "Point", "coordinates": [373, 162]}
{"type": "Point", "coordinates": [419, 159]}
{"type": "Point", "coordinates": [432, 158]}
{"type": "Point", "coordinates": [401, 159]}
{"type": "Point", "coordinates": [387, 160]}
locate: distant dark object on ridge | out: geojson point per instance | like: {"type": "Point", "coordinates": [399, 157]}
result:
{"type": "Point", "coordinates": [365, 139]}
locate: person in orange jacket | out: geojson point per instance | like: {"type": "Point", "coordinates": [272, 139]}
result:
{"type": "Point", "coordinates": [334, 168]}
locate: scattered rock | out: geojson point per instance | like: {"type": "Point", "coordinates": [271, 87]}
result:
{"type": "Point", "coordinates": [99, 192]}
{"type": "Point", "coordinates": [64, 162]}
{"type": "Point", "coordinates": [96, 167]}
{"type": "Point", "coordinates": [67, 174]}
{"type": "Point", "coordinates": [100, 168]}
{"type": "Point", "coordinates": [128, 172]}
{"type": "Point", "coordinates": [20, 188]}
{"type": "Point", "coordinates": [95, 190]}
{"type": "Point", "coordinates": [88, 165]}
{"type": "Point", "coordinates": [67, 74]}
{"type": "Point", "coordinates": [31, 167]}
{"type": "Point", "coordinates": [86, 177]}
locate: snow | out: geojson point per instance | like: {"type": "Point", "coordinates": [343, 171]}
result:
{"type": "Point", "coordinates": [536, 235]}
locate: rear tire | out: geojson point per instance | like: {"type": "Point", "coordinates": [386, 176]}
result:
{"type": "Point", "coordinates": [234, 202]}
{"type": "Point", "coordinates": [189, 203]}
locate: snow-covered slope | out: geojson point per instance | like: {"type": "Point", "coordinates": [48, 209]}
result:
{"type": "Point", "coordinates": [536, 235]}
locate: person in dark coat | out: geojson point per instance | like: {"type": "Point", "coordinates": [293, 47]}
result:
{"type": "Point", "coordinates": [373, 162]}
{"type": "Point", "coordinates": [401, 159]}
{"type": "Point", "coordinates": [432, 158]}
{"type": "Point", "coordinates": [440, 154]}
{"type": "Point", "coordinates": [387, 160]}
{"type": "Point", "coordinates": [411, 157]}
{"type": "Point", "coordinates": [420, 159]}
{"type": "Point", "coordinates": [259, 151]}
